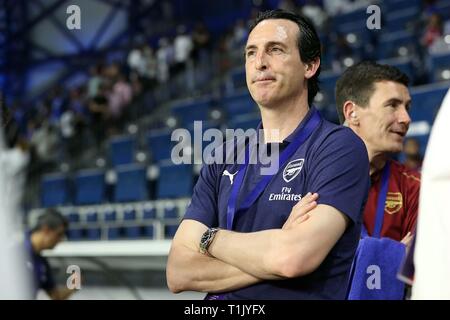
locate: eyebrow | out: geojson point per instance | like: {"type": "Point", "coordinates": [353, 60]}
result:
{"type": "Point", "coordinates": [268, 44]}
{"type": "Point", "coordinates": [397, 101]}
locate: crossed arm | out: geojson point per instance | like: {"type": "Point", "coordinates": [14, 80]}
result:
{"type": "Point", "coordinates": [241, 259]}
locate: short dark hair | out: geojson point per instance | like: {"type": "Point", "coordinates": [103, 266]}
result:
{"type": "Point", "coordinates": [51, 218]}
{"type": "Point", "coordinates": [357, 83]}
{"type": "Point", "coordinates": [308, 42]}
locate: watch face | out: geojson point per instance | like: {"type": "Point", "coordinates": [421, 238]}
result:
{"type": "Point", "coordinates": [206, 239]}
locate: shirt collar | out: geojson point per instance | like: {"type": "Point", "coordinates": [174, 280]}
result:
{"type": "Point", "coordinates": [300, 126]}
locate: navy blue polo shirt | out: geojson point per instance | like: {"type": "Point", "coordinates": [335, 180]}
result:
{"type": "Point", "coordinates": [40, 269]}
{"type": "Point", "coordinates": [335, 165]}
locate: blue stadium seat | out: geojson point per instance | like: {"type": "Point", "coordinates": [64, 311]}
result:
{"type": "Point", "coordinates": [174, 181]}
{"type": "Point", "coordinates": [404, 64]}
{"type": "Point", "coordinates": [114, 233]}
{"type": "Point", "coordinates": [401, 20]}
{"type": "Point", "coordinates": [55, 190]}
{"type": "Point", "coordinates": [426, 101]}
{"type": "Point", "coordinates": [170, 211]}
{"type": "Point", "coordinates": [400, 43]}
{"type": "Point", "coordinates": [238, 78]}
{"type": "Point", "coordinates": [110, 216]}
{"type": "Point", "coordinates": [356, 37]}
{"type": "Point", "coordinates": [150, 213]}
{"type": "Point", "coordinates": [93, 233]}
{"type": "Point", "coordinates": [159, 144]}
{"type": "Point", "coordinates": [400, 5]}
{"type": "Point", "coordinates": [188, 112]}
{"type": "Point", "coordinates": [131, 183]}
{"type": "Point", "coordinates": [327, 84]}
{"type": "Point", "coordinates": [352, 16]}
{"type": "Point", "coordinates": [75, 234]}
{"type": "Point", "coordinates": [440, 67]}
{"type": "Point", "coordinates": [443, 7]}
{"type": "Point", "coordinates": [92, 217]}
{"type": "Point", "coordinates": [122, 150]}
{"type": "Point", "coordinates": [133, 232]}
{"type": "Point", "coordinates": [239, 103]}
{"type": "Point", "coordinates": [90, 187]}
{"type": "Point", "coordinates": [170, 230]}
{"type": "Point", "coordinates": [148, 232]}
{"type": "Point", "coordinates": [129, 214]}
{"type": "Point", "coordinates": [73, 217]}
{"type": "Point", "coordinates": [245, 121]}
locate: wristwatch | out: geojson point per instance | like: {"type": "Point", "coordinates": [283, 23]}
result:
{"type": "Point", "coordinates": [206, 239]}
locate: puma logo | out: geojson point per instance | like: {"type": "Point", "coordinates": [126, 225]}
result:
{"type": "Point", "coordinates": [230, 175]}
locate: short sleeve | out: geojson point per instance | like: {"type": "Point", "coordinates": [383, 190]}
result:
{"type": "Point", "coordinates": [340, 173]}
{"type": "Point", "coordinates": [203, 205]}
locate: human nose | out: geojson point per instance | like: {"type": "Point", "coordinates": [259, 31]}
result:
{"type": "Point", "coordinates": [261, 61]}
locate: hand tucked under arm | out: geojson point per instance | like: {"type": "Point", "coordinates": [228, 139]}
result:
{"type": "Point", "coordinates": [285, 253]}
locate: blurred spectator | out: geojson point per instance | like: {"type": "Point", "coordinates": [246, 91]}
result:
{"type": "Point", "coordinates": [441, 45]}
{"type": "Point", "coordinates": [182, 49]}
{"type": "Point", "coordinates": [98, 108]}
{"type": "Point", "coordinates": [433, 30]}
{"type": "Point", "coordinates": [167, 10]}
{"type": "Point", "coordinates": [136, 61]}
{"type": "Point", "coordinates": [150, 72]}
{"type": "Point", "coordinates": [72, 122]}
{"type": "Point", "coordinates": [45, 141]}
{"type": "Point", "coordinates": [15, 156]}
{"type": "Point", "coordinates": [315, 13]}
{"type": "Point", "coordinates": [49, 231]}
{"type": "Point", "coordinates": [164, 58]}
{"type": "Point", "coordinates": [240, 34]}
{"type": "Point", "coordinates": [95, 80]}
{"type": "Point", "coordinates": [57, 103]}
{"type": "Point", "coordinates": [119, 97]}
{"type": "Point", "coordinates": [335, 7]}
{"type": "Point", "coordinates": [413, 158]}
{"type": "Point", "coordinates": [287, 5]}
{"type": "Point", "coordinates": [224, 60]}
{"type": "Point", "coordinates": [201, 40]}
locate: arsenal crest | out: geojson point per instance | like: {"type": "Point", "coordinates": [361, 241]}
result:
{"type": "Point", "coordinates": [292, 169]}
{"type": "Point", "coordinates": [394, 202]}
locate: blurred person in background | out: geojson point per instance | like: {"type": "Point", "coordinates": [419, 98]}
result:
{"type": "Point", "coordinates": [119, 98]}
{"type": "Point", "coordinates": [432, 249]}
{"type": "Point", "coordinates": [15, 282]}
{"type": "Point", "coordinates": [47, 233]}
{"type": "Point", "coordinates": [95, 80]}
{"type": "Point", "coordinates": [433, 30]}
{"type": "Point", "coordinates": [411, 151]}
{"type": "Point", "coordinates": [98, 107]}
